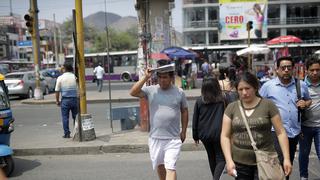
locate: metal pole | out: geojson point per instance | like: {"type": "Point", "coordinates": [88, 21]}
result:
{"type": "Point", "coordinates": [60, 41]}
{"type": "Point", "coordinates": [108, 61]}
{"type": "Point", "coordinates": [76, 65]}
{"type": "Point", "coordinates": [36, 47]}
{"type": "Point", "coordinates": [249, 55]}
{"type": "Point", "coordinates": [87, 125]}
{"type": "Point", "coordinates": [80, 45]}
{"type": "Point", "coordinates": [55, 41]}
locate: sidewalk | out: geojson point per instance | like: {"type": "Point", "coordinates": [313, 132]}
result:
{"type": "Point", "coordinates": [46, 141]}
{"type": "Point", "coordinates": [116, 96]}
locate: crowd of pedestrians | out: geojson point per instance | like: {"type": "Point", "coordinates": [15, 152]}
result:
{"type": "Point", "coordinates": [281, 112]}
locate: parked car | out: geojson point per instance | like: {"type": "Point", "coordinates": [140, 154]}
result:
{"type": "Point", "coordinates": [23, 84]}
{"type": "Point", "coordinates": [50, 76]}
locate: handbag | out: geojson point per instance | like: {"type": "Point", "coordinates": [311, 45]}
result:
{"type": "Point", "coordinates": [268, 164]}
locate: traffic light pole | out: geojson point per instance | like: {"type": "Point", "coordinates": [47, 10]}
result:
{"type": "Point", "coordinates": [249, 55]}
{"type": "Point", "coordinates": [88, 132]}
{"type": "Point", "coordinates": [36, 46]}
{"type": "Point", "coordinates": [249, 27]}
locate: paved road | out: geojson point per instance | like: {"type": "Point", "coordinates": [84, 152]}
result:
{"type": "Point", "coordinates": [90, 87]}
{"type": "Point", "coordinates": [120, 166]}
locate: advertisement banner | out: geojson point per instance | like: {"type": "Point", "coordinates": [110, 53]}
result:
{"type": "Point", "coordinates": [235, 14]}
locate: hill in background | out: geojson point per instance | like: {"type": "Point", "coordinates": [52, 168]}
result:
{"type": "Point", "coordinates": [118, 23]}
{"type": "Point", "coordinates": [114, 21]}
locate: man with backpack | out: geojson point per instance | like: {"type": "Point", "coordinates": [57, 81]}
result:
{"type": "Point", "coordinates": [282, 91]}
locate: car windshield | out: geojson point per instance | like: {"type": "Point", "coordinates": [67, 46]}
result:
{"type": "Point", "coordinates": [4, 101]}
{"type": "Point", "coordinates": [14, 76]}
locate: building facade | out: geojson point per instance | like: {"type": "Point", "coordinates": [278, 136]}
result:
{"type": "Point", "coordinates": [285, 17]}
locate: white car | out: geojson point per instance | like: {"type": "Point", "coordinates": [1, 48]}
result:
{"type": "Point", "coordinates": [23, 84]}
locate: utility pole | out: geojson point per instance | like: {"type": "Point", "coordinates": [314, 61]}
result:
{"type": "Point", "coordinates": [33, 28]}
{"type": "Point", "coordinates": [55, 41]}
{"type": "Point", "coordinates": [86, 119]}
{"type": "Point", "coordinates": [249, 27]}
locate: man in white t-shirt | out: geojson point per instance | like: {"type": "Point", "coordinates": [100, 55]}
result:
{"type": "Point", "coordinates": [99, 72]}
{"type": "Point", "coordinates": [66, 85]}
{"type": "Point", "coordinates": [167, 106]}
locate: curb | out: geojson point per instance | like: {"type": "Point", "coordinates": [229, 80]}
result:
{"type": "Point", "coordinates": [143, 148]}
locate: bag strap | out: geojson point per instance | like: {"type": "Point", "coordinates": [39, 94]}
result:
{"type": "Point", "coordinates": [298, 89]}
{"type": "Point", "coordinates": [253, 143]}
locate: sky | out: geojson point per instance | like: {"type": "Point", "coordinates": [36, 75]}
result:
{"type": "Point", "coordinates": [63, 9]}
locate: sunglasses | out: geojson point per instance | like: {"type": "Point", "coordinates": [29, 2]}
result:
{"type": "Point", "coordinates": [283, 68]}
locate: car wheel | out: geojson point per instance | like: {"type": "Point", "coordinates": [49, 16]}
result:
{"type": "Point", "coordinates": [126, 77]}
{"type": "Point", "coordinates": [30, 93]}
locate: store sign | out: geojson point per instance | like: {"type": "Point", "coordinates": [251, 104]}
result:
{"type": "Point", "coordinates": [24, 43]}
{"type": "Point", "coordinates": [235, 14]}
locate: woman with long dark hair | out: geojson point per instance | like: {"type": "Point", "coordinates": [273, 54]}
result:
{"type": "Point", "coordinates": [207, 122]}
{"type": "Point", "coordinates": [261, 115]}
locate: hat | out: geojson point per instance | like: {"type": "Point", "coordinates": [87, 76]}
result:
{"type": "Point", "coordinates": [165, 68]}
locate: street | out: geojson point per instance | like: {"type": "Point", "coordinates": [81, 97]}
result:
{"type": "Point", "coordinates": [45, 120]}
{"type": "Point", "coordinates": [115, 85]}
{"type": "Point", "coordinates": [192, 165]}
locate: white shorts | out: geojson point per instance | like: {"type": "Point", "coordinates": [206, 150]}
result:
{"type": "Point", "coordinates": [164, 151]}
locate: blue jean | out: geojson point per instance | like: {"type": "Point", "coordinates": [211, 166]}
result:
{"type": "Point", "coordinates": [67, 105]}
{"type": "Point", "coordinates": [305, 142]}
{"type": "Point", "coordinates": [100, 84]}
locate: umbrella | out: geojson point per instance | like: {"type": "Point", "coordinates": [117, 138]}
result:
{"type": "Point", "coordinates": [284, 39]}
{"type": "Point", "coordinates": [178, 52]}
{"type": "Point", "coordinates": [159, 56]}
{"type": "Point", "coordinates": [253, 50]}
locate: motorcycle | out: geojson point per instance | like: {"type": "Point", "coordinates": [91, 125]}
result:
{"type": "Point", "coordinates": [6, 128]}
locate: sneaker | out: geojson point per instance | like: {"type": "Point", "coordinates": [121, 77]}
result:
{"type": "Point", "coordinates": [66, 136]}
{"type": "Point", "coordinates": [303, 178]}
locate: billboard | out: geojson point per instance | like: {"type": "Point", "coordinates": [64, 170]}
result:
{"type": "Point", "coordinates": [234, 15]}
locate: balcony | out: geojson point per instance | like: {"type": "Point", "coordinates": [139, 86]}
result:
{"type": "Point", "coordinates": [294, 20]}
{"type": "Point", "coordinates": [201, 24]}
{"type": "Point", "coordinates": [194, 1]}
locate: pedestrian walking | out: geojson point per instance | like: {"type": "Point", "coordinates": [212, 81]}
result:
{"type": "Point", "coordinates": [167, 107]}
{"type": "Point", "coordinates": [207, 122]}
{"type": "Point", "coordinates": [261, 115]}
{"type": "Point", "coordinates": [66, 86]}
{"type": "Point", "coordinates": [99, 72]}
{"type": "Point", "coordinates": [283, 92]}
{"type": "Point", "coordinates": [311, 122]}
{"type": "Point", "coordinates": [206, 68]}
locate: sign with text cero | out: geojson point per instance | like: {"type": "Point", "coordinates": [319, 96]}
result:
{"type": "Point", "coordinates": [25, 43]}
{"type": "Point", "coordinates": [235, 14]}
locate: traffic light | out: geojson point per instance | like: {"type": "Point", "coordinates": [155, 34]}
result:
{"type": "Point", "coordinates": [249, 25]}
{"type": "Point", "coordinates": [29, 22]}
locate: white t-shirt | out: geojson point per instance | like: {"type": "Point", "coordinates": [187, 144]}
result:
{"type": "Point", "coordinates": [165, 111]}
{"type": "Point", "coordinates": [99, 72]}
{"type": "Point", "coordinates": [66, 84]}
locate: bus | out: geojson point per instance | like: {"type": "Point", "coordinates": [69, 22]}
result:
{"type": "Point", "coordinates": [123, 64]}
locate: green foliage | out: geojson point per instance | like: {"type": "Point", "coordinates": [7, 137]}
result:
{"type": "Point", "coordinates": [118, 41]}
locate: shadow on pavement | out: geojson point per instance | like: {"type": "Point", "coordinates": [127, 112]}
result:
{"type": "Point", "coordinates": [23, 165]}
